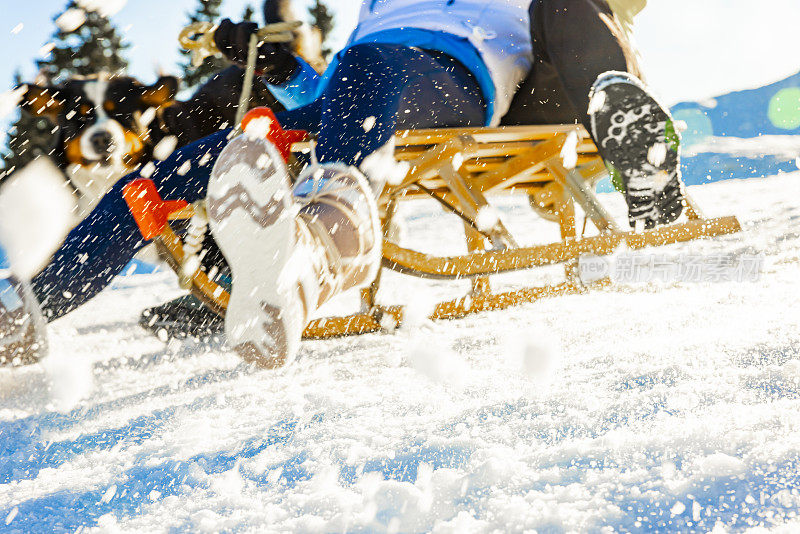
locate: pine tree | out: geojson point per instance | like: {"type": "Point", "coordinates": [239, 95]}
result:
{"type": "Point", "coordinates": [322, 18]}
{"type": "Point", "coordinates": [248, 14]}
{"type": "Point", "coordinates": [28, 138]}
{"type": "Point", "coordinates": [207, 11]}
{"type": "Point", "coordinates": [93, 47]}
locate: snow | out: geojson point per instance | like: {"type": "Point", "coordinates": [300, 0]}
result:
{"type": "Point", "coordinates": [258, 128]}
{"type": "Point", "coordinates": [148, 169]}
{"type": "Point", "coordinates": [382, 167]}
{"type": "Point", "coordinates": [778, 145]}
{"type": "Point", "coordinates": [38, 212]}
{"type": "Point", "coordinates": [369, 123]}
{"type": "Point", "coordinates": [105, 7]}
{"type": "Point", "coordinates": [70, 380]}
{"type": "Point", "coordinates": [165, 147]}
{"type": "Point", "coordinates": [71, 19]}
{"type": "Point", "coordinates": [536, 354]}
{"type": "Point", "coordinates": [9, 100]}
{"type": "Point", "coordinates": [435, 360]}
{"type": "Point", "coordinates": [184, 168]}
{"type": "Point", "coordinates": [569, 152]}
{"type": "Point", "coordinates": [46, 49]}
{"type": "Point", "coordinates": [661, 407]}
{"type": "Point", "coordinates": [487, 219]}
{"type": "Point", "coordinates": [147, 117]}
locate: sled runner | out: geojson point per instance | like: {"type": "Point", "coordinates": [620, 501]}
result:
{"type": "Point", "coordinates": [462, 169]}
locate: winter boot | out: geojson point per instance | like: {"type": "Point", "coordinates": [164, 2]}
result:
{"type": "Point", "coordinates": [183, 317]}
{"type": "Point", "coordinates": [22, 329]}
{"type": "Point", "coordinates": [287, 254]}
{"type": "Point", "coordinates": [636, 136]}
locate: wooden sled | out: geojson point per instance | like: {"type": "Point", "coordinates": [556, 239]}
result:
{"type": "Point", "coordinates": [461, 169]}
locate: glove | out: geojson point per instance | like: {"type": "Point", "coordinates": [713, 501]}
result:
{"type": "Point", "coordinates": [275, 62]}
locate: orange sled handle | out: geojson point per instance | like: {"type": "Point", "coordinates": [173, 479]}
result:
{"type": "Point", "coordinates": [148, 208]}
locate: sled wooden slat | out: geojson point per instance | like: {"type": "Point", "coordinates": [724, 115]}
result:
{"type": "Point", "coordinates": [502, 134]}
{"type": "Point", "coordinates": [463, 168]}
{"type": "Point", "coordinates": [496, 262]}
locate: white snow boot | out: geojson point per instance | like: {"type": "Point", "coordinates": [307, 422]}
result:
{"type": "Point", "coordinates": [288, 255]}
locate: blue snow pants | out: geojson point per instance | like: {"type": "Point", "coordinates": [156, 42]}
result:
{"type": "Point", "coordinates": [401, 87]}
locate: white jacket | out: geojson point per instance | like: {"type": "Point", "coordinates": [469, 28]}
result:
{"type": "Point", "coordinates": [498, 29]}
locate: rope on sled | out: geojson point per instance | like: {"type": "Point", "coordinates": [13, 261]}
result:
{"type": "Point", "coordinates": [249, 75]}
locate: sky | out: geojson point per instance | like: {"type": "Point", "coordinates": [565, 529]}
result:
{"type": "Point", "coordinates": [691, 49]}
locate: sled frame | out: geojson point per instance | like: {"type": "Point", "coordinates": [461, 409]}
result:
{"type": "Point", "coordinates": [462, 168]}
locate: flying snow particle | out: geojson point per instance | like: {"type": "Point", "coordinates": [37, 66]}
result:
{"type": "Point", "coordinates": [9, 101]}
{"type": "Point", "coordinates": [678, 509]}
{"type": "Point", "coordinates": [436, 361]}
{"type": "Point", "coordinates": [418, 310]}
{"type": "Point", "coordinates": [205, 159]}
{"type": "Point", "coordinates": [109, 494]}
{"type": "Point", "coordinates": [369, 123]}
{"type": "Point", "coordinates": [597, 102]}
{"type": "Point", "coordinates": [569, 152]}
{"type": "Point", "coordinates": [258, 128]}
{"type": "Point", "coordinates": [185, 168]}
{"type": "Point", "coordinates": [696, 510]}
{"type": "Point", "coordinates": [108, 523]}
{"type": "Point", "coordinates": [17, 29]}
{"type": "Point", "coordinates": [536, 354]}
{"type": "Point", "coordinates": [46, 49]}
{"type": "Point", "coordinates": [11, 515]}
{"type": "Point", "coordinates": [71, 380]}
{"type": "Point", "coordinates": [720, 465]}
{"type": "Point", "coordinates": [263, 161]}
{"type": "Point", "coordinates": [71, 19]}
{"type": "Point", "coordinates": [191, 266]}
{"type": "Point", "coordinates": [104, 7]}
{"type": "Point", "coordinates": [709, 103]}
{"type": "Point", "coordinates": [37, 208]}
{"type": "Point", "coordinates": [147, 117]}
{"type": "Point", "coordinates": [458, 161]}
{"type": "Point", "coordinates": [165, 147]}
{"type": "Point", "coordinates": [657, 154]}
{"type": "Point", "coordinates": [487, 218]}
{"type": "Point", "coordinates": [381, 165]}
{"type": "Point", "coordinates": [148, 170]}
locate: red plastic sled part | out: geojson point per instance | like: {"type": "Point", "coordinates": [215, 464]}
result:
{"type": "Point", "coordinates": [148, 208]}
{"type": "Point", "coordinates": [282, 139]}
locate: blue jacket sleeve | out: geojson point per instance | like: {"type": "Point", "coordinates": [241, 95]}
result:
{"type": "Point", "coordinates": [301, 89]}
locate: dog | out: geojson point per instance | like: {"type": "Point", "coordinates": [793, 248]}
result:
{"type": "Point", "coordinates": [110, 126]}
{"type": "Point", "coordinates": [102, 127]}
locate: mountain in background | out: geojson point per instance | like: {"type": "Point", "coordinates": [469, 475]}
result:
{"type": "Point", "coordinates": [743, 134]}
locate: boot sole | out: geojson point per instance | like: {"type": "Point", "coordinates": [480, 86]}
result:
{"type": "Point", "coordinates": [628, 132]}
{"type": "Point", "coordinates": [249, 204]}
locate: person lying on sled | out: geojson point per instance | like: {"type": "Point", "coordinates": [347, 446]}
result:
{"type": "Point", "coordinates": [409, 64]}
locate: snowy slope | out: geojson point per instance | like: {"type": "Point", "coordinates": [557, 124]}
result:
{"type": "Point", "coordinates": [632, 409]}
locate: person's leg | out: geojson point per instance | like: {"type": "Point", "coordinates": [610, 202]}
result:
{"type": "Point", "coordinates": [286, 263]}
{"type": "Point", "coordinates": [101, 245]}
{"type": "Point", "coordinates": [574, 42]}
{"type": "Point", "coordinates": [303, 118]}
{"type": "Point", "coordinates": [378, 89]}
{"type": "Point", "coordinates": [586, 71]}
